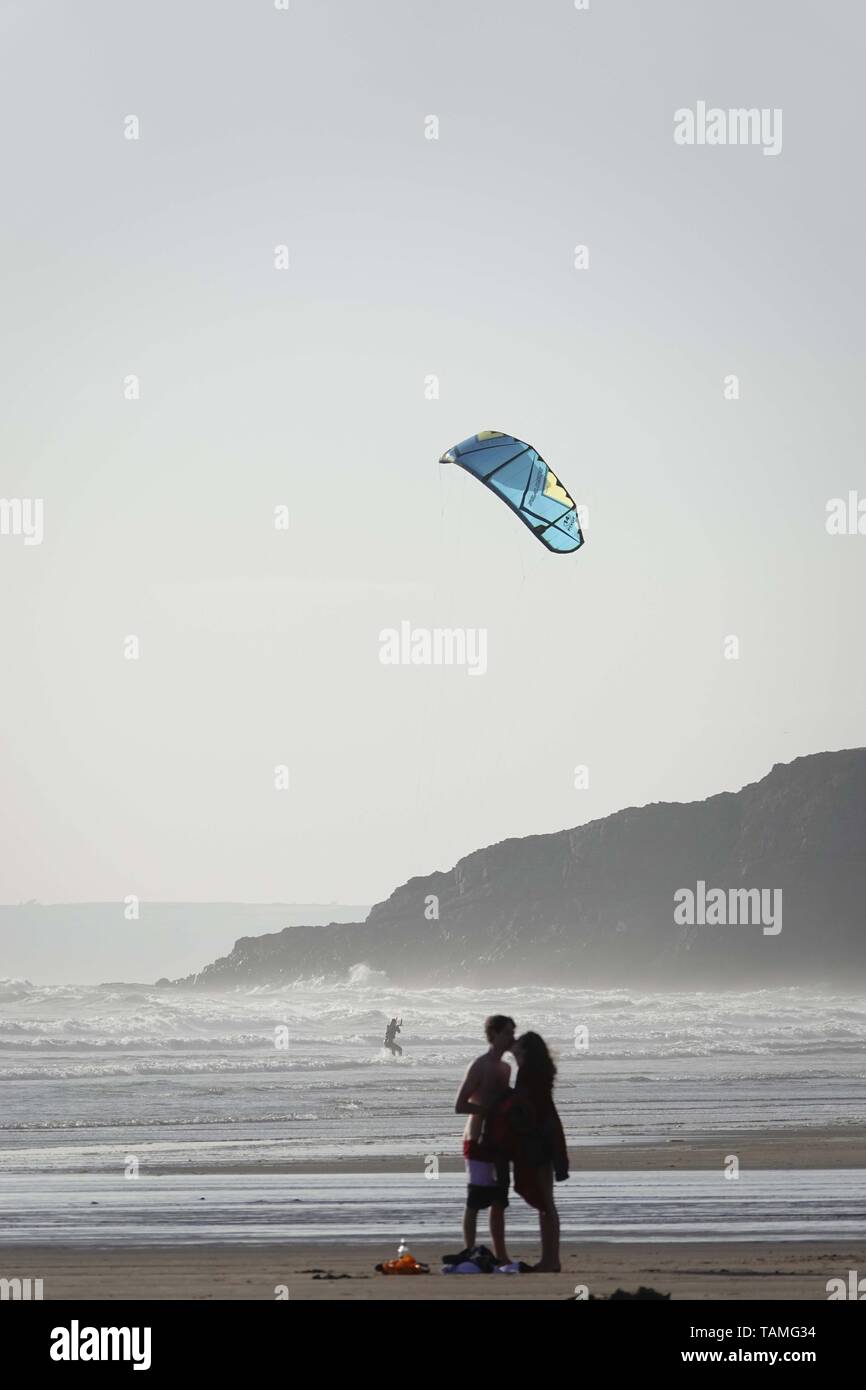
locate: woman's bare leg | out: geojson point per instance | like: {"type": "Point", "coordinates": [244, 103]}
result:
{"type": "Point", "coordinates": [497, 1235]}
{"type": "Point", "coordinates": [548, 1221]}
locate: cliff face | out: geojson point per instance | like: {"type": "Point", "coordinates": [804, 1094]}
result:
{"type": "Point", "coordinates": [595, 906]}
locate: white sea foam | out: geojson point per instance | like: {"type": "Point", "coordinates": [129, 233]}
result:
{"type": "Point", "coordinates": [156, 1061]}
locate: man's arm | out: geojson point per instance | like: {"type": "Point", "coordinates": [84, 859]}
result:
{"type": "Point", "coordinates": [463, 1105]}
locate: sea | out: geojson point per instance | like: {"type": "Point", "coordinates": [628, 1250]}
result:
{"type": "Point", "coordinates": [135, 1113]}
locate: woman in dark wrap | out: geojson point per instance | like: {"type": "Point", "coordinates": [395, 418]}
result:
{"type": "Point", "coordinates": [527, 1128]}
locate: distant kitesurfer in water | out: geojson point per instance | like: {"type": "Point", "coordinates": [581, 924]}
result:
{"type": "Point", "coordinates": [391, 1038]}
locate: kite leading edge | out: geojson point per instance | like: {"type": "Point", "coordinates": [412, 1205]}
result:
{"type": "Point", "coordinates": [518, 474]}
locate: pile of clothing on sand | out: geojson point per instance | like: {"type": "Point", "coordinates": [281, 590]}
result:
{"type": "Point", "coordinates": [480, 1260]}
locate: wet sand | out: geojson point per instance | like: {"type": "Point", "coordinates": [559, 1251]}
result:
{"type": "Point", "coordinates": [761, 1269]}
{"type": "Point", "coordinates": [840, 1146]}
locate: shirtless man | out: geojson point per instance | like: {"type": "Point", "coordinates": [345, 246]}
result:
{"type": "Point", "coordinates": [487, 1079]}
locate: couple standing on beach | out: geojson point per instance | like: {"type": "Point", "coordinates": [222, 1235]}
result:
{"type": "Point", "coordinates": [516, 1125]}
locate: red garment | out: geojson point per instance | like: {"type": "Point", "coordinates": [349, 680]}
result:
{"type": "Point", "coordinates": [479, 1150]}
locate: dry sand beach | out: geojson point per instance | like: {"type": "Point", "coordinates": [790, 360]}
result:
{"type": "Point", "coordinates": [700, 1270]}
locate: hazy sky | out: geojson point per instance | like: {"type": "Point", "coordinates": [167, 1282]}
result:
{"type": "Point", "coordinates": [408, 257]}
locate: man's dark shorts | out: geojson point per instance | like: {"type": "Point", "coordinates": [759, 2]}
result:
{"type": "Point", "coordinates": [488, 1180]}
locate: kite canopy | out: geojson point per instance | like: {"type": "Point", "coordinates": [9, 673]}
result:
{"type": "Point", "coordinates": [518, 474]}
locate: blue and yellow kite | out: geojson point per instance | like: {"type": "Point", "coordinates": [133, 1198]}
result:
{"type": "Point", "coordinates": [518, 474]}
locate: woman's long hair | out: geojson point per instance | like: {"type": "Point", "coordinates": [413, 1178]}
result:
{"type": "Point", "coordinates": [537, 1061]}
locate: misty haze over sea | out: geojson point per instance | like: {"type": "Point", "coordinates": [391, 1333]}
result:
{"type": "Point", "coordinates": [88, 943]}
